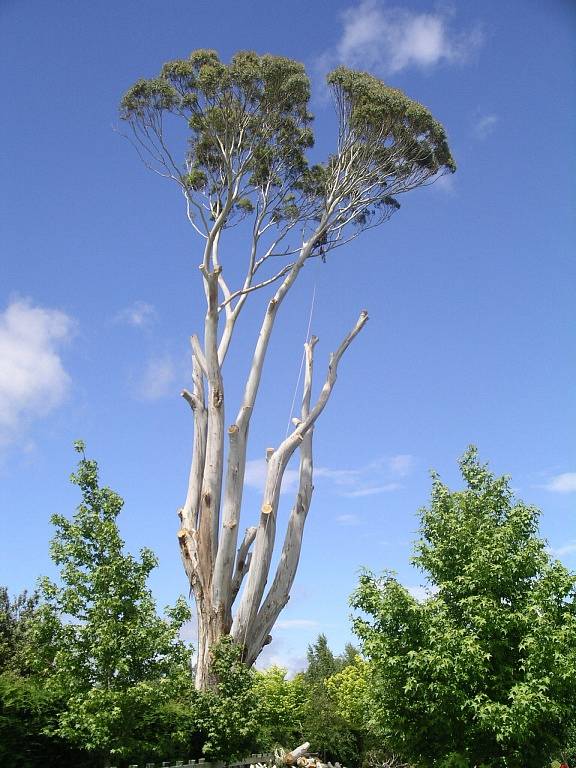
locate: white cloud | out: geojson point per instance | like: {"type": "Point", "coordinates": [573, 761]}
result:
{"type": "Point", "coordinates": [189, 631]}
{"type": "Point", "coordinates": [277, 655]}
{"type": "Point", "coordinates": [138, 315]}
{"type": "Point", "coordinates": [373, 490]}
{"type": "Point", "coordinates": [564, 483]}
{"type": "Point", "coordinates": [402, 464]}
{"type": "Point", "coordinates": [295, 623]}
{"type": "Point", "coordinates": [484, 125]}
{"type": "Point", "coordinates": [158, 379]}
{"type": "Point", "coordinates": [388, 39]}
{"type": "Point", "coordinates": [338, 476]}
{"type": "Point", "coordinates": [255, 476]}
{"type": "Point", "coordinates": [32, 377]}
{"type": "Point", "coordinates": [444, 183]}
{"type": "Point", "coordinates": [379, 476]}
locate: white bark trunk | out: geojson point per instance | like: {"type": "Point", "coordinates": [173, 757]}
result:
{"type": "Point", "coordinates": [211, 513]}
{"type": "Point", "coordinates": [212, 480]}
{"type": "Point", "coordinates": [244, 621]}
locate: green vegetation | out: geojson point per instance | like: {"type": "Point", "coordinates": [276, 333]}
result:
{"type": "Point", "coordinates": [88, 668]}
{"type": "Point", "coordinates": [483, 668]}
{"type": "Point", "coordinates": [479, 673]}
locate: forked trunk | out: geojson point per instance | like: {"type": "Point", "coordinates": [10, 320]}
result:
{"type": "Point", "coordinates": [216, 573]}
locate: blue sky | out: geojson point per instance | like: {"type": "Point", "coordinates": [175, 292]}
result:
{"type": "Point", "coordinates": [470, 286]}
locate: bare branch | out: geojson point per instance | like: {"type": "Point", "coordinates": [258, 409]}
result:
{"type": "Point", "coordinates": [243, 558]}
{"type": "Point", "coordinates": [252, 288]}
{"type": "Point", "coordinates": [279, 592]}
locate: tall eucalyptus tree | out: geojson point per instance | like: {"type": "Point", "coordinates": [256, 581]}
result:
{"type": "Point", "coordinates": [249, 130]}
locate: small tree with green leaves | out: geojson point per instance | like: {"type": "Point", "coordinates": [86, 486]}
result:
{"type": "Point", "coordinates": [99, 641]}
{"type": "Point", "coordinates": [248, 131]}
{"type": "Point", "coordinates": [484, 669]}
{"type": "Point", "coordinates": [27, 709]}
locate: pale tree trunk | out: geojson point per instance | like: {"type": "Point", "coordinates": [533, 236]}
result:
{"type": "Point", "coordinates": [218, 569]}
{"type": "Point", "coordinates": [215, 565]}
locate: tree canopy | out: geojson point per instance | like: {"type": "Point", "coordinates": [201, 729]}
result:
{"type": "Point", "coordinates": [249, 128]}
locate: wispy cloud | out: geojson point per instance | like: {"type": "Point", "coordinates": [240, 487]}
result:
{"type": "Point", "coordinates": [277, 654]}
{"type": "Point", "coordinates": [373, 490]}
{"type": "Point", "coordinates": [401, 465]}
{"type": "Point", "coordinates": [387, 39]}
{"type": "Point", "coordinates": [138, 315]}
{"type": "Point", "coordinates": [445, 184]}
{"type": "Point", "coordinates": [564, 483]}
{"type": "Point", "coordinates": [378, 476]}
{"type": "Point", "coordinates": [189, 631]}
{"type": "Point", "coordinates": [566, 549]}
{"type": "Point", "coordinates": [484, 125]}
{"type": "Point", "coordinates": [348, 520]}
{"type": "Point", "coordinates": [33, 380]}
{"type": "Point", "coordinates": [158, 379]}
{"type": "Point", "coordinates": [296, 624]}
{"type": "Point", "coordinates": [421, 593]}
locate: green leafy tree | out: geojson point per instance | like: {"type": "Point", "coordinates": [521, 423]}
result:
{"type": "Point", "coordinates": [484, 668]}
{"type": "Point", "coordinates": [246, 132]}
{"type": "Point", "coordinates": [322, 663]}
{"type": "Point", "coordinates": [28, 710]}
{"type": "Point", "coordinates": [279, 704]}
{"type": "Point", "coordinates": [99, 642]}
{"type": "Point", "coordinates": [350, 692]}
{"type": "Point", "coordinates": [27, 707]}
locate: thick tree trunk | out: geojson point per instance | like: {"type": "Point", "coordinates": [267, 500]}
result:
{"type": "Point", "coordinates": [210, 629]}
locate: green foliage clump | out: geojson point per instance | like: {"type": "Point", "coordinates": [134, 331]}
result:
{"type": "Point", "coordinates": [384, 115]}
{"type": "Point", "coordinates": [250, 129]}
{"type": "Point", "coordinates": [16, 616]}
{"type": "Point", "coordinates": [279, 705]}
{"type": "Point", "coordinates": [227, 713]}
{"type": "Point", "coordinates": [349, 688]}
{"type": "Point", "coordinates": [483, 667]}
{"type": "Point", "coordinates": [323, 725]}
{"type": "Point", "coordinates": [247, 119]}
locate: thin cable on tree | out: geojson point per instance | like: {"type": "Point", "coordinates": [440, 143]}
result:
{"type": "Point", "coordinates": [306, 340]}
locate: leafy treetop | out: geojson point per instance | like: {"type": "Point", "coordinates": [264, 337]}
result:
{"type": "Point", "coordinates": [249, 130]}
